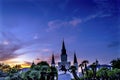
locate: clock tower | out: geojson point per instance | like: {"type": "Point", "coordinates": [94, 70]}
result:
{"type": "Point", "coordinates": [64, 61]}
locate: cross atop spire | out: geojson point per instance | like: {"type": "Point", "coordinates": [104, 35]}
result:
{"type": "Point", "coordinates": [75, 58]}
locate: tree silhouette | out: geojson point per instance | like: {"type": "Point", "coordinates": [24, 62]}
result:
{"type": "Point", "coordinates": [73, 71]}
{"type": "Point", "coordinates": [63, 68]}
{"type": "Point", "coordinates": [81, 66]}
{"type": "Point", "coordinates": [93, 67]}
{"type": "Point", "coordinates": [85, 62]}
{"type": "Point", "coordinates": [115, 63]}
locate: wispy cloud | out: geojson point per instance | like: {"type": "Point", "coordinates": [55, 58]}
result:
{"type": "Point", "coordinates": [46, 50]}
{"type": "Point", "coordinates": [56, 24]}
{"type": "Point", "coordinates": [11, 47]}
{"type": "Point", "coordinates": [100, 14]}
{"type": "Point", "coordinates": [75, 21]}
{"type": "Point", "coordinates": [90, 17]}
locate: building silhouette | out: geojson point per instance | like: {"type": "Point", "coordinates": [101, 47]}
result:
{"type": "Point", "coordinates": [64, 60]}
{"type": "Point", "coordinates": [53, 61]}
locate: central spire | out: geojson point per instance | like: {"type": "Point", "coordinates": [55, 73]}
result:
{"type": "Point", "coordinates": [63, 45]}
{"type": "Point", "coordinates": [63, 53]}
{"type": "Point", "coordinates": [63, 48]}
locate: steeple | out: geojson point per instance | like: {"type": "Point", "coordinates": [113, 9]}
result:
{"type": "Point", "coordinates": [75, 63]}
{"type": "Point", "coordinates": [63, 53]}
{"type": "Point", "coordinates": [53, 60]}
{"type": "Point", "coordinates": [75, 58]}
{"type": "Point", "coordinates": [63, 48]}
{"type": "Point", "coordinates": [63, 45]}
{"type": "Point", "coordinates": [33, 64]}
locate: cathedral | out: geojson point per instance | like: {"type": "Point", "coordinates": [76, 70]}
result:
{"type": "Point", "coordinates": [64, 60]}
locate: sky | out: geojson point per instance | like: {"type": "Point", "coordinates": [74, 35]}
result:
{"type": "Point", "coordinates": [32, 30]}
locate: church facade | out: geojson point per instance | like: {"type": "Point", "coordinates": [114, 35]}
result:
{"type": "Point", "coordinates": [64, 59]}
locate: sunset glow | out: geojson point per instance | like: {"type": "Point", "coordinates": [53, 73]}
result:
{"type": "Point", "coordinates": [32, 30]}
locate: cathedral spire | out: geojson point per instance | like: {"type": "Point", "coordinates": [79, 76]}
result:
{"type": "Point", "coordinates": [63, 48]}
{"type": "Point", "coordinates": [75, 63]}
{"type": "Point", "coordinates": [63, 45]}
{"type": "Point", "coordinates": [75, 58]}
{"type": "Point", "coordinates": [53, 60]}
{"type": "Point", "coordinates": [33, 64]}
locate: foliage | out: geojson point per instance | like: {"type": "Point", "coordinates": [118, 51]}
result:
{"type": "Point", "coordinates": [4, 67]}
{"type": "Point", "coordinates": [73, 71]}
{"type": "Point", "coordinates": [81, 66]}
{"type": "Point", "coordinates": [90, 74]}
{"type": "Point", "coordinates": [63, 68]}
{"type": "Point", "coordinates": [102, 72]}
{"type": "Point", "coordinates": [85, 62]}
{"type": "Point", "coordinates": [43, 63]}
{"type": "Point", "coordinates": [39, 72]}
{"type": "Point", "coordinates": [115, 63]}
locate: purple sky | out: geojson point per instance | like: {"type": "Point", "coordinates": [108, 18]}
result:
{"type": "Point", "coordinates": [31, 29]}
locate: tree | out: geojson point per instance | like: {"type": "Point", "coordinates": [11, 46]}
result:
{"type": "Point", "coordinates": [94, 68]}
{"type": "Point", "coordinates": [33, 65]}
{"type": "Point", "coordinates": [90, 75]}
{"type": "Point", "coordinates": [53, 73]}
{"type": "Point", "coordinates": [81, 66]}
{"type": "Point", "coordinates": [43, 63]}
{"type": "Point", "coordinates": [103, 73]}
{"type": "Point", "coordinates": [85, 62]}
{"type": "Point", "coordinates": [18, 67]}
{"type": "Point", "coordinates": [5, 68]}
{"type": "Point", "coordinates": [63, 68]}
{"type": "Point", "coordinates": [73, 71]}
{"type": "Point", "coordinates": [115, 63]}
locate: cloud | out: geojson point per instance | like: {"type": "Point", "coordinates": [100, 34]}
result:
{"type": "Point", "coordinates": [114, 44]}
{"type": "Point", "coordinates": [90, 17]}
{"type": "Point", "coordinates": [26, 64]}
{"type": "Point", "coordinates": [46, 50]}
{"type": "Point", "coordinates": [56, 24]}
{"type": "Point", "coordinates": [7, 53]}
{"type": "Point", "coordinates": [22, 63]}
{"type": "Point", "coordinates": [10, 46]}
{"type": "Point", "coordinates": [100, 14]}
{"type": "Point", "coordinates": [75, 21]}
